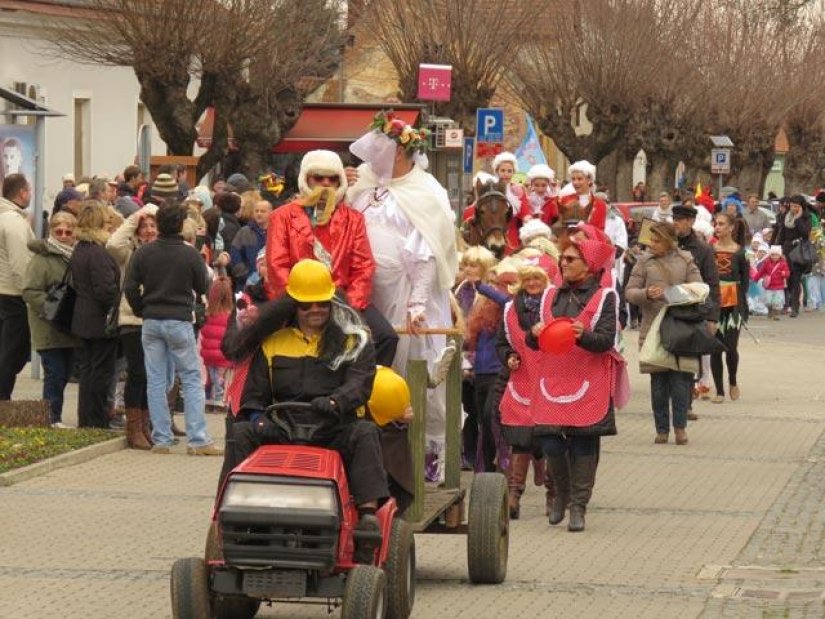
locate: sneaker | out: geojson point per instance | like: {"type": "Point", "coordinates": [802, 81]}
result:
{"type": "Point", "coordinates": [441, 366]}
{"type": "Point", "coordinates": [161, 449]}
{"type": "Point", "coordinates": [205, 450]}
{"type": "Point", "coordinates": [117, 423]}
{"type": "Point", "coordinates": [62, 426]}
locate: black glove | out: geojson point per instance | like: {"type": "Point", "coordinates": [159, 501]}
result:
{"type": "Point", "coordinates": [324, 404]}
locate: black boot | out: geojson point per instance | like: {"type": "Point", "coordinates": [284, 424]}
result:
{"type": "Point", "coordinates": [560, 470]}
{"type": "Point", "coordinates": [582, 478]}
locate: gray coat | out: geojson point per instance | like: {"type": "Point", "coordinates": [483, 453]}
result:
{"type": "Point", "coordinates": [676, 267]}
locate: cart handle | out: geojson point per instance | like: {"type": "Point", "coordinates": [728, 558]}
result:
{"type": "Point", "coordinates": [429, 331]}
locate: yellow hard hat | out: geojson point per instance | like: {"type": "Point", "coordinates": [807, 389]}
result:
{"type": "Point", "coordinates": [310, 281]}
{"type": "Point", "coordinates": [390, 396]}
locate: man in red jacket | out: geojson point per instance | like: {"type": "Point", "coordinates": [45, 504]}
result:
{"type": "Point", "coordinates": [319, 225]}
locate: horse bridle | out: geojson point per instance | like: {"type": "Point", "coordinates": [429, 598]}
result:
{"type": "Point", "coordinates": [476, 219]}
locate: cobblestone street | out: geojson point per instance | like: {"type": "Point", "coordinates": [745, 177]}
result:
{"type": "Point", "coordinates": [730, 525]}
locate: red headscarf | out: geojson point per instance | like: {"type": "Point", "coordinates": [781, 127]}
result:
{"type": "Point", "coordinates": [596, 249]}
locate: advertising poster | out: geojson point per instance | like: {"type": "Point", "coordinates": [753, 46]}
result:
{"type": "Point", "coordinates": [17, 152]}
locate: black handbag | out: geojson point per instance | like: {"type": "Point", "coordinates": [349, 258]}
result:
{"type": "Point", "coordinates": [803, 256]}
{"type": "Point", "coordinates": [684, 332]}
{"type": "Point", "coordinates": [58, 308]}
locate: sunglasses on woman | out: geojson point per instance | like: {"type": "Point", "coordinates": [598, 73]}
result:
{"type": "Point", "coordinates": [62, 232]}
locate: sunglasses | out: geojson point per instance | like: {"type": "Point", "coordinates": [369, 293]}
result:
{"type": "Point", "coordinates": [66, 233]}
{"type": "Point", "coordinates": [320, 178]}
{"type": "Point", "coordinates": [305, 307]}
{"type": "Point", "coordinates": [569, 259]}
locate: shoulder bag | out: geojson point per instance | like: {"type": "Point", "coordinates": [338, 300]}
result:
{"type": "Point", "coordinates": [58, 308]}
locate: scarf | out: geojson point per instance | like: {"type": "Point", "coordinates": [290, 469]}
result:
{"type": "Point", "coordinates": [56, 247]}
{"type": "Point", "coordinates": [790, 220]}
{"type": "Point", "coordinates": [425, 204]}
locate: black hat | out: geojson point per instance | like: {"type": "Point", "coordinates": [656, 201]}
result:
{"type": "Point", "coordinates": [680, 211]}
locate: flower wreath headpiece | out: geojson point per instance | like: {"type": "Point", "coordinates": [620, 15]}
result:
{"type": "Point", "coordinates": [393, 127]}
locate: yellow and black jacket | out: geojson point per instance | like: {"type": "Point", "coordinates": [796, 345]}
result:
{"type": "Point", "coordinates": [288, 368]}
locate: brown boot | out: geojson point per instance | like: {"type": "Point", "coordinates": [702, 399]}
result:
{"type": "Point", "coordinates": [559, 467]}
{"type": "Point", "coordinates": [146, 425]}
{"type": "Point", "coordinates": [176, 431]}
{"type": "Point", "coordinates": [549, 488]}
{"type": "Point", "coordinates": [134, 430]}
{"type": "Point", "coordinates": [539, 471]}
{"type": "Point", "coordinates": [582, 479]}
{"type": "Point", "coordinates": [516, 481]}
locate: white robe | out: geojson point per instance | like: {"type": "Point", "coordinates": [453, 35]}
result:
{"type": "Point", "coordinates": [399, 250]}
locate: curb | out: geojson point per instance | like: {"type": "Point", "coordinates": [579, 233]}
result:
{"type": "Point", "coordinates": [63, 460]}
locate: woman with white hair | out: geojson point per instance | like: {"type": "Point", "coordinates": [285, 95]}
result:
{"type": "Point", "coordinates": [581, 204]}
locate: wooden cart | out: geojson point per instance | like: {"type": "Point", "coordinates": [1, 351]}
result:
{"type": "Point", "coordinates": [441, 508]}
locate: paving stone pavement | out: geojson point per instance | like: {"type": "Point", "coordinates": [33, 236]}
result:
{"type": "Point", "coordinates": [730, 525]}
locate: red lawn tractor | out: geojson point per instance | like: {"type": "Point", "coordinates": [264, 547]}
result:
{"type": "Point", "coordinates": [283, 530]}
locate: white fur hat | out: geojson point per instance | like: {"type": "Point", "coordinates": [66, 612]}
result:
{"type": "Point", "coordinates": [322, 162]}
{"type": "Point", "coordinates": [532, 229]}
{"type": "Point", "coordinates": [704, 228]}
{"type": "Point", "coordinates": [502, 158]}
{"type": "Point", "coordinates": [776, 250]}
{"type": "Point", "coordinates": [541, 170]}
{"type": "Point", "coordinates": [585, 167]}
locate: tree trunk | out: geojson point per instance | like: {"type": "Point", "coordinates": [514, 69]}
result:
{"type": "Point", "coordinates": [624, 175]}
{"type": "Point", "coordinates": [659, 175]}
{"type": "Point", "coordinates": [606, 174]}
{"type": "Point", "coordinates": [805, 160]}
{"type": "Point", "coordinates": [172, 111]}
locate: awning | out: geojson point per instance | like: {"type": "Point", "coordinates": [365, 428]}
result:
{"type": "Point", "coordinates": [323, 125]}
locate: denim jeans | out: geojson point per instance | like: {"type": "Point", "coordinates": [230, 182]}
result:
{"type": "Point", "coordinates": [57, 366]}
{"type": "Point", "coordinates": [165, 341]}
{"type": "Point", "coordinates": [670, 390]}
{"type": "Point", "coordinates": [217, 383]}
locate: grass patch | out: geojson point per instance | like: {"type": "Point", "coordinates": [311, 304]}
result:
{"type": "Point", "coordinates": [22, 446]}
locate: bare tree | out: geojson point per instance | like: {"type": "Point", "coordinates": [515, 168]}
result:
{"type": "Point", "coordinates": [246, 58]}
{"type": "Point", "coordinates": [479, 38]}
{"type": "Point", "coordinates": [584, 77]}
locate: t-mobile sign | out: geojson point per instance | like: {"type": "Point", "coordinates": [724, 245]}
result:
{"type": "Point", "coordinates": [434, 82]}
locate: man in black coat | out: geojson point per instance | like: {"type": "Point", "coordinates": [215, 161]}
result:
{"type": "Point", "coordinates": [684, 216]}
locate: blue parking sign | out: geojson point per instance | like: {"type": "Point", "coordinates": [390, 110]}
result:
{"type": "Point", "coordinates": [469, 153]}
{"type": "Point", "coordinates": [490, 125]}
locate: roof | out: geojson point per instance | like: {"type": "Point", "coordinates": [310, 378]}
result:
{"type": "Point", "coordinates": [331, 126]}
{"type": "Point", "coordinates": [24, 104]}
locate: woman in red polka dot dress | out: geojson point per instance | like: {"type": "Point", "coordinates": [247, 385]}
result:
{"type": "Point", "coordinates": [576, 389]}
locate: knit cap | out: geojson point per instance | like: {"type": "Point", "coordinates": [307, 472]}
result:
{"type": "Point", "coordinates": [165, 186]}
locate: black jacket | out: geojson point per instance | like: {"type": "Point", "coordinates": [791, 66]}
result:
{"type": "Point", "coordinates": [96, 279]}
{"type": "Point", "coordinates": [304, 378]}
{"type": "Point", "coordinates": [705, 259]}
{"type": "Point", "coordinates": [162, 277]}
{"type": "Point", "coordinates": [788, 237]}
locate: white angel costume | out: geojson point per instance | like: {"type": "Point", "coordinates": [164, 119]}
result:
{"type": "Point", "coordinates": [411, 229]}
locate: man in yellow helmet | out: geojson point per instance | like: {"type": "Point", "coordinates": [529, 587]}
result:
{"type": "Point", "coordinates": [314, 348]}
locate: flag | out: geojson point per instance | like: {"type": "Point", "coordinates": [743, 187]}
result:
{"type": "Point", "coordinates": [529, 152]}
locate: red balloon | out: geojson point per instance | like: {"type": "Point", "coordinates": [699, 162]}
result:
{"type": "Point", "coordinates": [557, 337]}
